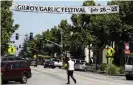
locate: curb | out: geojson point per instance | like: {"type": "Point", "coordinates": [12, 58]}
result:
{"type": "Point", "coordinates": [118, 75]}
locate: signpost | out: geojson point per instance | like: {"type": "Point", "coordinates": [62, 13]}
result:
{"type": "Point", "coordinates": [110, 53]}
{"type": "Point", "coordinates": [66, 9]}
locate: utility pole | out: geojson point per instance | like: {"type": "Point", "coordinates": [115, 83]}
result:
{"type": "Point", "coordinates": [61, 43]}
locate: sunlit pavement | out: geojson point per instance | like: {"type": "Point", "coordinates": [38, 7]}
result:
{"type": "Point", "coordinates": [48, 76]}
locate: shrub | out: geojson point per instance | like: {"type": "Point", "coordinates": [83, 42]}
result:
{"type": "Point", "coordinates": [113, 70]}
{"type": "Point", "coordinates": [121, 69]}
{"type": "Point", "coordinates": [103, 67]}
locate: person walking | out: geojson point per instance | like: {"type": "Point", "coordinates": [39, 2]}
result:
{"type": "Point", "coordinates": [70, 70]}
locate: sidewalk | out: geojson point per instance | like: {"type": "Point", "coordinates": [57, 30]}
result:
{"type": "Point", "coordinates": [101, 72]}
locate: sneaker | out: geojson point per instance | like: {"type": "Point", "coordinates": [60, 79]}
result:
{"type": "Point", "coordinates": [67, 83]}
{"type": "Point", "coordinates": [75, 81]}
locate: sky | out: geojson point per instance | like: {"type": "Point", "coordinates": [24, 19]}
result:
{"type": "Point", "coordinates": [39, 22]}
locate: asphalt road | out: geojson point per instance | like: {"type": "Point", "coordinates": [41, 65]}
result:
{"type": "Point", "coordinates": [47, 76]}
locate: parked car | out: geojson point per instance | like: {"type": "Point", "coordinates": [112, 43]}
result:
{"type": "Point", "coordinates": [49, 64]}
{"type": "Point", "coordinates": [57, 63]}
{"type": "Point", "coordinates": [129, 67]}
{"type": "Point", "coordinates": [43, 61]}
{"type": "Point", "coordinates": [74, 60]}
{"type": "Point", "coordinates": [80, 65]}
{"type": "Point", "coordinates": [18, 70]}
{"type": "Point", "coordinates": [60, 64]}
{"type": "Point", "coordinates": [33, 62]}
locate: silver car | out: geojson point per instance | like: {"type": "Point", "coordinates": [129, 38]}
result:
{"type": "Point", "coordinates": [129, 67]}
{"type": "Point", "coordinates": [80, 65]}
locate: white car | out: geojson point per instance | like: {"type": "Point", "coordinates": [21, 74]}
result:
{"type": "Point", "coordinates": [80, 65]}
{"type": "Point", "coordinates": [57, 63]}
{"type": "Point", "coordinates": [60, 64]}
{"type": "Point", "coordinates": [129, 67]}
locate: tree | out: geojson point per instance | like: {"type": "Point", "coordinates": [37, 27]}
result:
{"type": "Point", "coordinates": [123, 27]}
{"type": "Point", "coordinates": [81, 31]}
{"type": "Point", "coordinates": [7, 28]}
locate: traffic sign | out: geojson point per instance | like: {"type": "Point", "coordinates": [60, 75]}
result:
{"type": "Point", "coordinates": [127, 46]}
{"type": "Point", "coordinates": [110, 52]}
{"type": "Point", "coordinates": [11, 49]}
{"type": "Point", "coordinates": [127, 50]}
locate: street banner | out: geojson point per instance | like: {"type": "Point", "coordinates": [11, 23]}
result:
{"type": "Point", "coordinates": [65, 9]}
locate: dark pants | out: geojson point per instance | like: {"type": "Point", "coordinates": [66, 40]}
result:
{"type": "Point", "coordinates": [70, 74]}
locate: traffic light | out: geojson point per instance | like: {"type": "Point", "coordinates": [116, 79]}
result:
{"type": "Point", "coordinates": [31, 35]}
{"type": "Point", "coordinates": [17, 36]}
{"type": "Point", "coordinates": [19, 46]}
{"type": "Point", "coordinates": [13, 41]}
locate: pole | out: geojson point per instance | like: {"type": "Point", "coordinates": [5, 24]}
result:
{"type": "Point", "coordinates": [62, 46]}
{"type": "Point", "coordinates": [110, 65]}
{"type": "Point", "coordinates": [61, 43]}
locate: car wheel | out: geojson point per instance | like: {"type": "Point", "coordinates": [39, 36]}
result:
{"type": "Point", "coordinates": [85, 69]}
{"type": "Point", "coordinates": [24, 79]}
{"type": "Point", "coordinates": [16, 81]}
{"type": "Point", "coordinates": [128, 77]}
{"type": "Point", "coordinates": [53, 67]}
{"type": "Point", "coordinates": [4, 82]}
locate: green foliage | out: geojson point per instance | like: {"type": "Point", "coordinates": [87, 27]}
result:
{"type": "Point", "coordinates": [103, 66]}
{"type": "Point", "coordinates": [7, 28]}
{"type": "Point", "coordinates": [113, 69]}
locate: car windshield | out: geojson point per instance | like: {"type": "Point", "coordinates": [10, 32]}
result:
{"type": "Point", "coordinates": [47, 59]}
{"type": "Point", "coordinates": [130, 60]}
{"type": "Point", "coordinates": [82, 61]}
{"type": "Point", "coordinates": [77, 61]}
{"type": "Point", "coordinates": [17, 58]}
{"type": "Point", "coordinates": [11, 59]}
{"type": "Point", "coordinates": [4, 59]}
{"type": "Point", "coordinates": [56, 60]}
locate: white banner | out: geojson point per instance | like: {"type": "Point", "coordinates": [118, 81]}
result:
{"type": "Point", "coordinates": [68, 10]}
